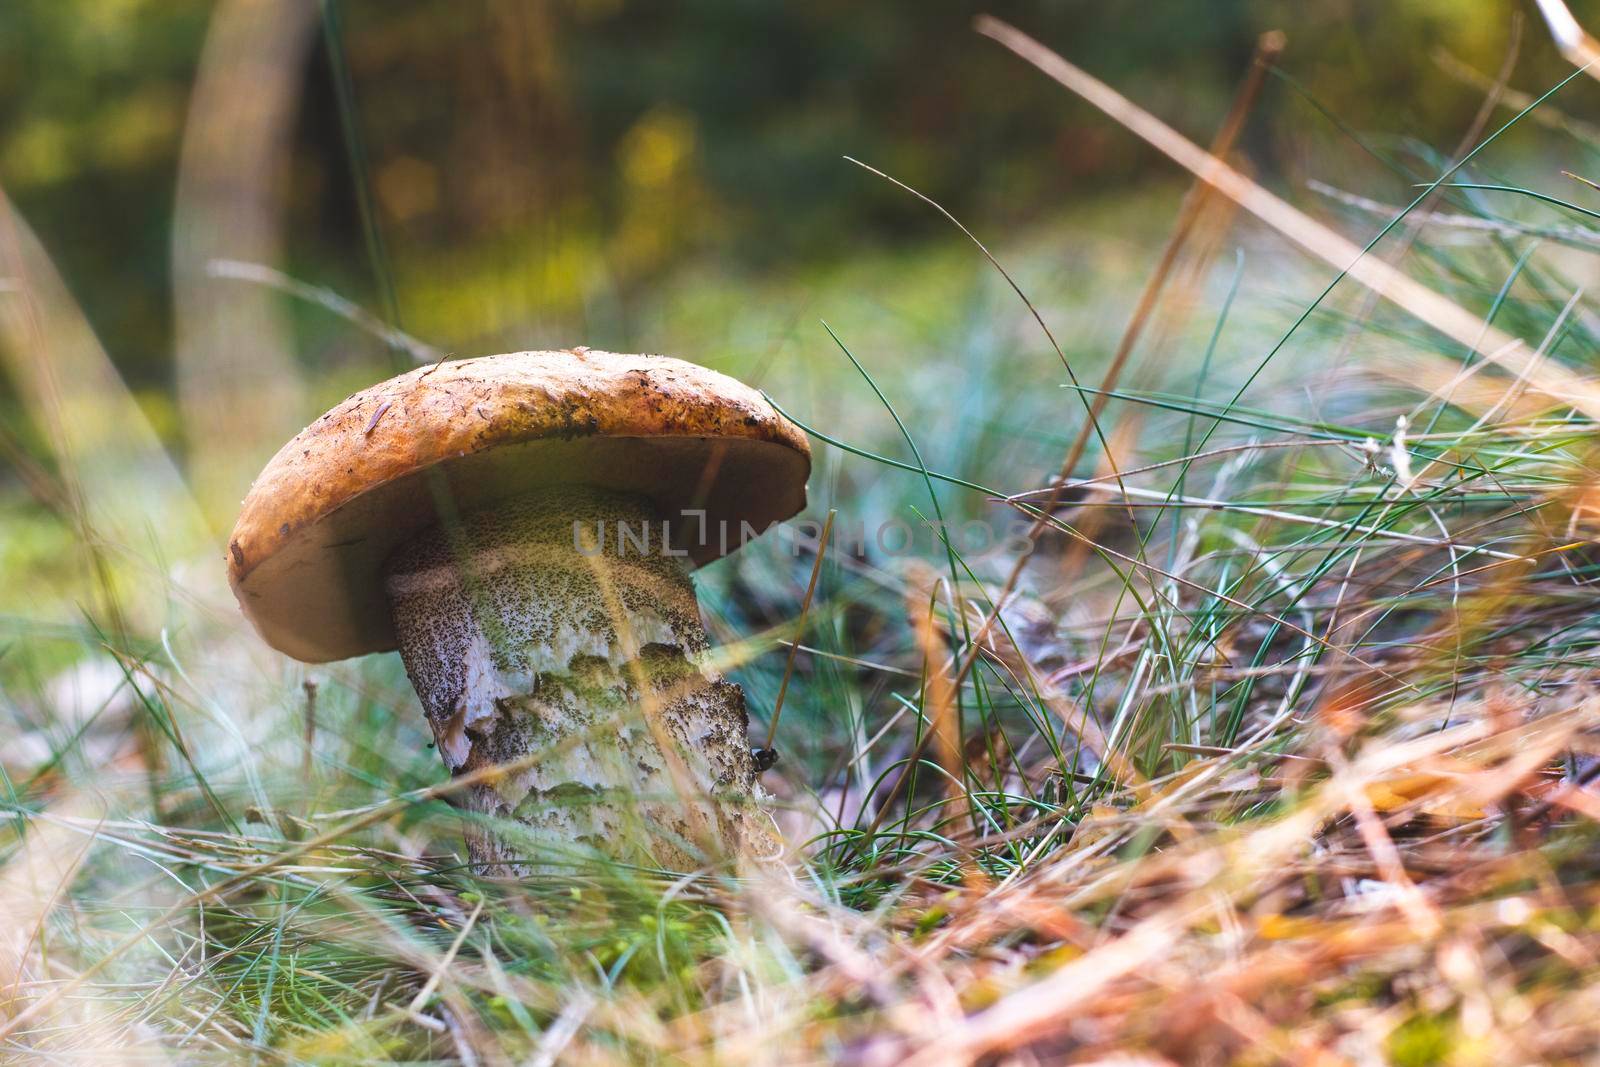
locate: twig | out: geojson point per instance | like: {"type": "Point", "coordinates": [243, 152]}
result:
{"type": "Point", "coordinates": [327, 299]}
{"type": "Point", "coordinates": [1575, 234]}
{"type": "Point", "coordinates": [444, 963]}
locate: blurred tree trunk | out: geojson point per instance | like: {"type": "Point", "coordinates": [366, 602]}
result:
{"type": "Point", "coordinates": [239, 390]}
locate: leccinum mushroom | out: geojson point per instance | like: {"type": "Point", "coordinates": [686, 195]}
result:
{"type": "Point", "coordinates": [468, 514]}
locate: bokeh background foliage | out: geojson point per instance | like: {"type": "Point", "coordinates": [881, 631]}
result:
{"type": "Point", "coordinates": [626, 176]}
{"type": "Point", "coordinates": [1281, 762]}
{"type": "Point", "coordinates": [541, 167]}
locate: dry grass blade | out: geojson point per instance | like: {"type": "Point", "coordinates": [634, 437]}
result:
{"type": "Point", "coordinates": [443, 966]}
{"type": "Point", "coordinates": [1268, 47]}
{"type": "Point", "coordinates": [100, 439]}
{"type": "Point", "coordinates": [1561, 386]}
{"type": "Point", "coordinates": [1216, 869]}
{"type": "Point", "coordinates": [938, 689]}
{"type": "Point", "coordinates": [1573, 40]}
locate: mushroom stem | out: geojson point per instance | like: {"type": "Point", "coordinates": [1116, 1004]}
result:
{"type": "Point", "coordinates": [555, 629]}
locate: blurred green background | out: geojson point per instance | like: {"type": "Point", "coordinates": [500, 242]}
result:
{"type": "Point", "coordinates": [667, 178]}
{"type": "Point", "coordinates": [539, 168]}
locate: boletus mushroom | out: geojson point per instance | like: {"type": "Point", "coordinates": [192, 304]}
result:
{"type": "Point", "coordinates": [520, 527]}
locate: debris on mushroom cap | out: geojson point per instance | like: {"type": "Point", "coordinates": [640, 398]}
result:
{"type": "Point", "coordinates": [327, 510]}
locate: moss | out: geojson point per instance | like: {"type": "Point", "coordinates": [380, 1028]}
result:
{"type": "Point", "coordinates": [1422, 1041]}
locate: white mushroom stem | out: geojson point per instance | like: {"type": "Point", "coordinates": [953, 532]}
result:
{"type": "Point", "coordinates": [536, 636]}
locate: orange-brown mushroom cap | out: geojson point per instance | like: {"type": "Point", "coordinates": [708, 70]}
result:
{"type": "Point", "coordinates": [306, 555]}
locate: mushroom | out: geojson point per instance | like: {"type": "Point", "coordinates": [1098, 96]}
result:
{"type": "Point", "coordinates": [519, 527]}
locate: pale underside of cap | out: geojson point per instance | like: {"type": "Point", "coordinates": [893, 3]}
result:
{"type": "Point", "coordinates": [306, 556]}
